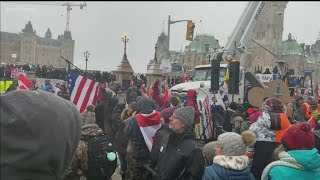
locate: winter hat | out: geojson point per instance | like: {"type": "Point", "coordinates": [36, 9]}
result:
{"type": "Point", "coordinates": [146, 105]}
{"type": "Point", "coordinates": [208, 152]}
{"type": "Point", "coordinates": [39, 131]}
{"type": "Point", "coordinates": [234, 144]}
{"type": "Point", "coordinates": [272, 105]}
{"type": "Point", "coordinates": [185, 114]}
{"type": "Point", "coordinates": [90, 108]}
{"type": "Point", "coordinates": [298, 137]}
{"type": "Point", "coordinates": [168, 112]}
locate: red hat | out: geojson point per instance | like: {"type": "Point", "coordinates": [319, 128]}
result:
{"type": "Point", "coordinates": [298, 137]}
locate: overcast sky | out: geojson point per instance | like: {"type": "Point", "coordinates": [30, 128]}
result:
{"type": "Point", "coordinates": [99, 26]}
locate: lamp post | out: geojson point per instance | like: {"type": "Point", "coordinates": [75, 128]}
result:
{"type": "Point", "coordinates": [86, 55]}
{"type": "Point", "coordinates": [125, 39]}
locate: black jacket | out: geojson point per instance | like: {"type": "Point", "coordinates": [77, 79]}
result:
{"type": "Point", "coordinates": [178, 158]}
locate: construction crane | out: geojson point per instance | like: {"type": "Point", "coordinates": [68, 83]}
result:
{"type": "Point", "coordinates": [68, 4]}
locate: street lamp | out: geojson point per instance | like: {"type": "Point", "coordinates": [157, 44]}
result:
{"type": "Point", "coordinates": [125, 39]}
{"type": "Point", "coordinates": [86, 55]}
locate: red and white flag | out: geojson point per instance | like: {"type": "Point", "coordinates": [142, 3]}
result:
{"type": "Point", "coordinates": [149, 125]}
{"type": "Point", "coordinates": [84, 93]}
{"type": "Point", "coordinates": [24, 82]}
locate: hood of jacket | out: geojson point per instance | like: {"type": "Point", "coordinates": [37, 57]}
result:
{"type": "Point", "coordinates": [39, 135]}
{"type": "Point", "coordinates": [192, 94]}
{"type": "Point", "coordinates": [91, 130]}
{"type": "Point", "coordinates": [309, 159]}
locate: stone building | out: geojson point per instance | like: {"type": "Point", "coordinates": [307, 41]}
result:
{"type": "Point", "coordinates": [27, 47]}
{"type": "Point", "coordinates": [301, 57]}
{"type": "Point", "coordinates": [268, 33]}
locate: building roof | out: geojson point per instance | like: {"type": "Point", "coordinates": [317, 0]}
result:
{"type": "Point", "coordinates": [48, 42]}
{"type": "Point", "coordinates": [291, 47]}
{"type": "Point", "coordinates": [124, 65]}
{"type": "Point", "coordinates": [10, 37]}
{"type": "Point", "coordinates": [200, 41]}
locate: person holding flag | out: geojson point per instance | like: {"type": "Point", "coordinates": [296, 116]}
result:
{"type": "Point", "coordinates": [140, 131]}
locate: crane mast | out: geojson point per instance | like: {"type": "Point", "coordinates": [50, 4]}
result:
{"type": "Point", "coordinates": [242, 32]}
{"type": "Point", "coordinates": [68, 4]}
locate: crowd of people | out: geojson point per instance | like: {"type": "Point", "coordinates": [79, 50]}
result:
{"type": "Point", "coordinates": [45, 137]}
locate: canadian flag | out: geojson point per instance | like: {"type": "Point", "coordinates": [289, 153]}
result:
{"type": "Point", "coordinates": [24, 82]}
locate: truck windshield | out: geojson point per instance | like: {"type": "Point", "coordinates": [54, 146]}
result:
{"type": "Point", "coordinates": [204, 74]}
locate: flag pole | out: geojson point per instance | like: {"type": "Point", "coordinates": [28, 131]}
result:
{"type": "Point", "coordinates": [67, 61]}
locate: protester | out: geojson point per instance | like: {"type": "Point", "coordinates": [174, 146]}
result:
{"type": "Point", "coordinates": [179, 156]}
{"type": "Point", "coordinates": [90, 156]}
{"type": "Point", "coordinates": [88, 116]}
{"type": "Point", "coordinates": [162, 133]}
{"type": "Point", "coordinates": [192, 101]}
{"type": "Point", "coordinates": [228, 116]}
{"type": "Point", "coordinates": [120, 142]}
{"type": "Point", "coordinates": [102, 93]}
{"type": "Point", "coordinates": [208, 152]}
{"type": "Point", "coordinates": [254, 114]}
{"type": "Point", "coordinates": [297, 109]}
{"type": "Point", "coordinates": [155, 93]}
{"type": "Point", "coordinates": [299, 159]}
{"type": "Point", "coordinates": [174, 101]}
{"type": "Point", "coordinates": [39, 135]}
{"type": "Point", "coordinates": [139, 132]}
{"type": "Point", "coordinates": [269, 129]}
{"type": "Point", "coordinates": [231, 161]}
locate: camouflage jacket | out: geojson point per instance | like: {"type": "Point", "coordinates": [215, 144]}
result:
{"type": "Point", "coordinates": [79, 165]}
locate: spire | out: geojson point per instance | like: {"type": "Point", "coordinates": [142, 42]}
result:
{"type": "Point", "coordinates": [155, 55]}
{"type": "Point", "coordinates": [163, 26]}
{"type": "Point", "coordinates": [48, 34]}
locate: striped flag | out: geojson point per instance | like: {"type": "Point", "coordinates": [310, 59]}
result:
{"type": "Point", "coordinates": [82, 90]}
{"type": "Point", "coordinates": [149, 125]}
{"type": "Point", "coordinates": [24, 82]}
{"type": "Point", "coordinates": [207, 126]}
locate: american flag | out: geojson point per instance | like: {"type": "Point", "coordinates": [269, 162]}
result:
{"type": "Point", "coordinates": [208, 124]}
{"type": "Point", "coordinates": [82, 90]}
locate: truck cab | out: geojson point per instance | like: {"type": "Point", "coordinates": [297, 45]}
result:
{"type": "Point", "coordinates": [201, 81]}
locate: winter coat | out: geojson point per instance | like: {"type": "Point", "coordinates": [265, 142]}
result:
{"type": "Point", "coordinates": [228, 167]}
{"type": "Point", "coordinates": [229, 114]}
{"type": "Point", "coordinates": [192, 101]}
{"type": "Point", "coordinates": [87, 117]}
{"type": "Point", "coordinates": [39, 135]}
{"type": "Point", "coordinates": [295, 164]}
{"type": "Point", "coordinates": [179, 158]}
{"type": "Point", "coordinates": [79, 165]}
{"type": "Point", "coordinates": [137, 148]}
{"type": "Point", "coordinates": [269, 129]}
{"type": "Point", "coordinates": [120, 140]}
{"type": "Point", "coordinates": [270, 126]}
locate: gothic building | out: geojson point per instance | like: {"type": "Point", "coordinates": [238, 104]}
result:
{"type": "Point", "coordinates": [27, 47]}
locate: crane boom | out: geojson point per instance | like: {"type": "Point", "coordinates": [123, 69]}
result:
{"type": "Point", "coordinates": [242, 32]}
{"type": "Point", "coordinates": [67, 3]}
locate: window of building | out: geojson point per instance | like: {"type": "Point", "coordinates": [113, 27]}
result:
{"type": "Point", "coordinates": [263, 34]}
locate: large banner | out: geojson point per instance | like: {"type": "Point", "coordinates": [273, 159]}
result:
{"type": "Point", "coordinates": [265, 79]}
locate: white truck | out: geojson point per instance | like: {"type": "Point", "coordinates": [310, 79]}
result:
{"type": "Point", "coordinates": [236, 45]}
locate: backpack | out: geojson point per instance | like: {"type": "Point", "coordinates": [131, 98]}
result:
{"type": "Point", "coordinates": [99, 166]}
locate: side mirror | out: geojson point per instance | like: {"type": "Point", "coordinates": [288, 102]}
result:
{"type": "Point", "coordinates": [202, 85]}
